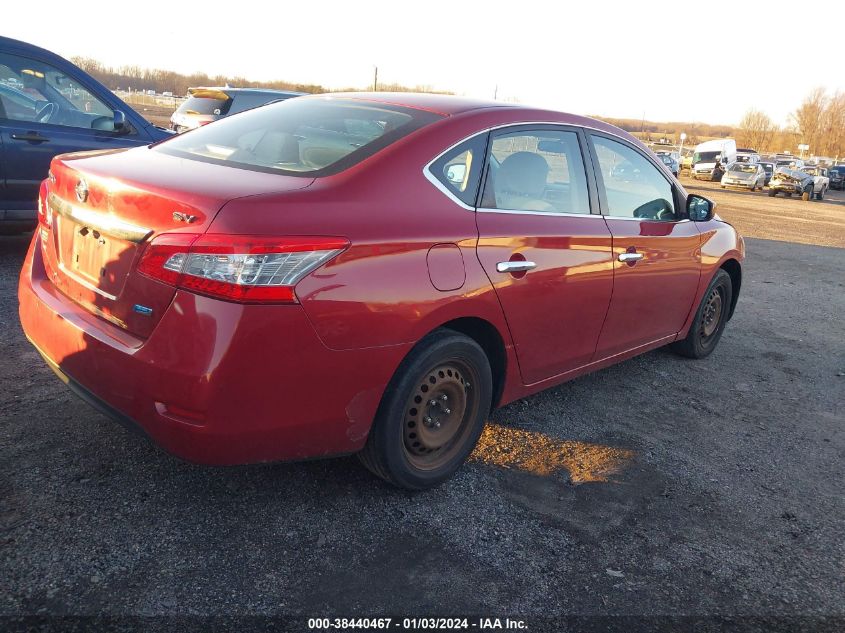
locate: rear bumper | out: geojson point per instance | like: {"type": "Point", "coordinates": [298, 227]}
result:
{"type": "Point", "coordinates": [216, 382]}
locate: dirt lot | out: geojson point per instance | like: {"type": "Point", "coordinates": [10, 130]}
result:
{"type": "Point", "coordinates": [661, 486]}
{"type": "Point", "coordinates": [779, 218]}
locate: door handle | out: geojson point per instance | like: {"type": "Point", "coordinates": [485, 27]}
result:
{"type": "Point", "coordinates": [630, 257]}
{"type": "Point", "coordinates": [34, 137]}
{"type": "Point", "coordinates": [515, 266]}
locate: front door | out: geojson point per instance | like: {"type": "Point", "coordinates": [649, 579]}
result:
{"type": "Point", "coordinates": [656, 251]}
{"type": "Point", "coordinates": [44, 113]}
{"type": "Point", "coordinates": [544, 247]}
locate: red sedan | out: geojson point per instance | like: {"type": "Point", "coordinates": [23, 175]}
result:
{"type": "Point", "coordinates": [365, 274]}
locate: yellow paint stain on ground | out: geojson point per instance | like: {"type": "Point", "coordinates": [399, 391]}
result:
{"type": "Point", "coordinates": [539, 454]}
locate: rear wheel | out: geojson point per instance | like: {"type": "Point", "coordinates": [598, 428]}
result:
{"type": "Point", "coordinates": [773, 193]}
{"type": "Point", "coordinates": [432, 412]}
{"type": "Point", "coordinates": [710, 319]}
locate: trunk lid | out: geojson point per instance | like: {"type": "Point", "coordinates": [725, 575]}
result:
{"type": "Point", "coordinates": [105, 207]}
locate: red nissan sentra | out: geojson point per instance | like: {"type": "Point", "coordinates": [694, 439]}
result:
{"type": "Point", "coordinates": [365, 274]}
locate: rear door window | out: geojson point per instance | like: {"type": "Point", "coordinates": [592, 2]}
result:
{"type": "Point", "coordinates": [540, 171]}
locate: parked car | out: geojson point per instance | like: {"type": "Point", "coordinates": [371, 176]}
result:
{"type": "Point", "coordinates": [711, 158]}
{"type": "Point", "coordinates": [747, 155]}
{"type": "Point", "coordinates": [789, 162]}
{"type": "Point", "coordinates": [361, 274]}
{"type": "Point", "coordinates": [205, 105]}
{"type": "Point", "coordinates": [50, 107]}
{"type": "Point", "coordinates": [743, 174]}
{"type": "Point", "coordinates": [670, 162]}
{"type": "Point", "coordinates": [791, 181]}
{"type": "Point", "coordinates": [837, 177]}
{"type": "Point", "coordinates": [769, 168]}
{"type": "Point", "coordinates": [821, 180]}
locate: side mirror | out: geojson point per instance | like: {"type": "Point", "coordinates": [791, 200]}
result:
{"type": "Point", "coordinates": [700, 209]}
{"type": "Point", "coordinates": [120, 122]}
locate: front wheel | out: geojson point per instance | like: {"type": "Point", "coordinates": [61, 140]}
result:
{"type": "Point", "coordinates": [772, 193]}
{"type": "Point", "coordinates": [432, 412]}
{"type": "Point", "coordinates": [710, 319]}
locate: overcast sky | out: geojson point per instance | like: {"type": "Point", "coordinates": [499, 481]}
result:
{"type": "Point", "coordinates": [668, 61]}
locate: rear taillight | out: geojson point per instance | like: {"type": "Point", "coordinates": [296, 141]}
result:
{"type": "Point", "coordinates": [45, 220]}
{"type": "Point", "coordinates": [242, 268]}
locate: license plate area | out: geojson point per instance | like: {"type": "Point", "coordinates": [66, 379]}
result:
{"type": "Point", "coordinates": [99, 259]}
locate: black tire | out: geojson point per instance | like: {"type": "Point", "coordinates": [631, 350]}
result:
{"type": "Point", "coordinates": [710, 319]}
{"type": "Point", "coordinates": [753, 187]}
{"type": "Point", "coordinates": [820, 194]}
{"type": "Point", "coordinates": [402, 445]}
{"type": "Point", "coordinates": [773, 192]}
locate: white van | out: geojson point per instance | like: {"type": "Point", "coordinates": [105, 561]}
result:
{"type": "Point", "coordinates": [711, 157]}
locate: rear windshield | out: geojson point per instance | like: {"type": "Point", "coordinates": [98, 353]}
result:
{"type": "Point", "coordinates": [203, 105]}
{"type": "Point", "coordinates": [743, 167]}
{"type": "Point", "coordinates": [305, 136]}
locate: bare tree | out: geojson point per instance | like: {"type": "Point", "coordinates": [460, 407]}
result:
{"type": "Point", "coordinates": [756, 130]}
{"type": "Point", "coordinates": [809, 119]}
{"type": "Point", "coordinates": [833, 127]}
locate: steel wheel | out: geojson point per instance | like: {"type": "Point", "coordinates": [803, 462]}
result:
{"type": "Point", "coordinates": [712, 314]}
{"type": "Point", "coordinates": [432, 412]}
{"type": "Point", "coordinates": [439, 414]}
{"type": "Point", "coordinates": [710, 319]}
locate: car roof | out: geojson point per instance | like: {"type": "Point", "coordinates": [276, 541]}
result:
{"type": "Point", "coordinates": [8, 42]}
{"type": "Point", "coordinates": [437, 103]}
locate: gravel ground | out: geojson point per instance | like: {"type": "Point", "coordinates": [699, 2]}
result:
{"type": "Point", "coordinates": [658, 486]}
{"type": "Point", "coordinates": [779, 218]}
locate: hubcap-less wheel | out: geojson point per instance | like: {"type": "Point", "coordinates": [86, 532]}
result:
{"type": "Point", "coordinates": [439, 415]}
{"type": "Point", "coordinates": [712, 314]}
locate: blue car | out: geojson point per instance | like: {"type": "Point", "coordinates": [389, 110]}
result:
{"type": "Point", "coordinates": [48, 106]}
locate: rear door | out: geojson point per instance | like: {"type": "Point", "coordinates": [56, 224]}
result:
{"type": "Point", "coordinates": [545, 247]}
{"type": "Point", "coordinates": [656, 250]}
{"type": "Point", "coordinates": [47, 112]}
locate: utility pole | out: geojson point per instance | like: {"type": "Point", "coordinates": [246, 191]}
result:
{"type": "Point", "coordinates": [375, 80]}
